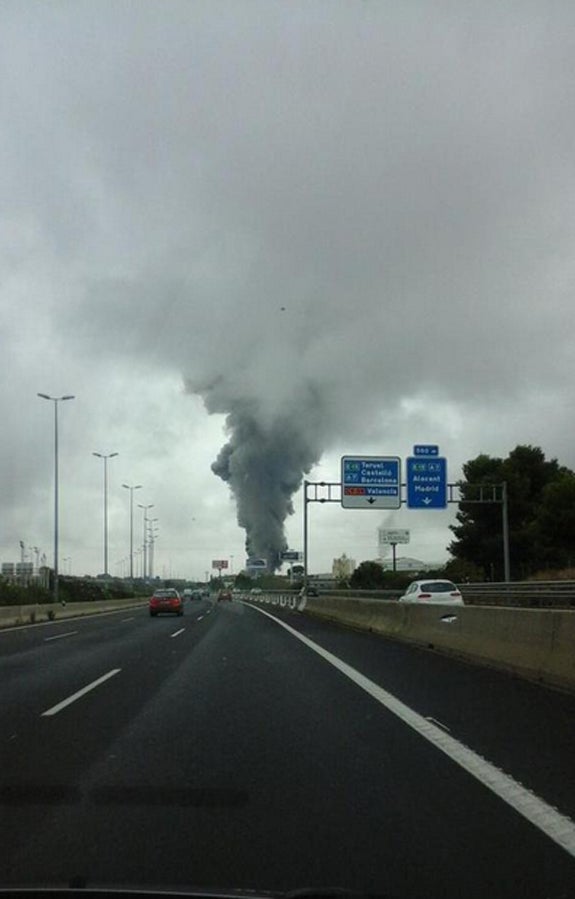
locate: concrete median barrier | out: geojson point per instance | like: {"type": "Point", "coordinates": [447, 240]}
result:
{"type": "Point", "coordinates": [11, 616]}
{"type": "Point", "coordinates": [538, 644]}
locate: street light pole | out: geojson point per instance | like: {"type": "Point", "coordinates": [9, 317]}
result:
{"type": "Point", "coordinates": [145, 508]}
{"type": "Point", "coordinates": [55, 400]}
{"type": "Point", "coordinates": [153, 533]}
{"type": "Point", "coordinates": [131, 489]}
{"type": "Point", "coordinates": [105, 458]}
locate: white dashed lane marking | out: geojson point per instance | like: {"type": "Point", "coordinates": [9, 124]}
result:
{"type": "Point", "coordinates": [59, 636]}
{"type": "Point", "coordinates": [78, 695]}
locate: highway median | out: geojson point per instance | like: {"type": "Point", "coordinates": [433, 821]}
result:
{"type": "Point", "coordinates": [31, 613]}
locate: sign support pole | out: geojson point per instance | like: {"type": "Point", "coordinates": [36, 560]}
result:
{"type": "Point", "coordinates": [305, 535]}
{"type": "Point", "coordinates": [505, 516]}
{"type": "Point", "coordinates": [330, 486]}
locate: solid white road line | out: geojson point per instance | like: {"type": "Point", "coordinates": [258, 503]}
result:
{"type": "Point", "coordinates": [59, 636]}
{"type": "Point", "coordinates": [547, 819]}
{"type": "Point", "coordinates": [177, 633]}
{"type": "Point", "coordinates": [66, 702]}
{"type": "Point", "coordinates": [123, 620]}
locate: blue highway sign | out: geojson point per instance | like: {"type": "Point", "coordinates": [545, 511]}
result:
{"type": "Point", "coordinates": [426, 482]}
{"type": "Point", "coordinates": [371, 482]}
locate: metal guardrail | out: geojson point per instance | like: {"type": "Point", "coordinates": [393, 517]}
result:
{"type": "Point", "coordinates": [521, 594]}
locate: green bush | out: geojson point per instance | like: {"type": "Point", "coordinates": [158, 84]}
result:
{"type": "Point", "coordinates": [69, 590]}
{"type": "Point", "coordinates": [77, 590]}
{"type": "Point", "coordinates": [16, 595]}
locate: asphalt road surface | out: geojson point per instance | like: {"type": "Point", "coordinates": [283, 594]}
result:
{"type": "Point", "coordinates": [223, 750]}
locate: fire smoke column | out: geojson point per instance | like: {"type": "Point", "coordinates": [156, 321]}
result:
{"type": "Point", "coordinates": [264, 467]}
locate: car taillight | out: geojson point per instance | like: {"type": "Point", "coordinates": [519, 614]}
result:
{"type": "Point", "coordinates": [424, 596]}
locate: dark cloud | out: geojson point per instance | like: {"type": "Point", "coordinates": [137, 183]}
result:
{"type": "Point", "coordinates": [316, 214]}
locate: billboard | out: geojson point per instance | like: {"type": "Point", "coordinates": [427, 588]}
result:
{"type": "Point", "coordinates": [291, 555]}
{"type": "Point", "coordinates": [219, 564]}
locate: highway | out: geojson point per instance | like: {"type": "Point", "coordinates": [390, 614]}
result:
{"type": "Point", "coordinates": [235, 749]}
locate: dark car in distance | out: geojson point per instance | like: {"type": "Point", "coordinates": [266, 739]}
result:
{"type": "Point", "coordinates": [166, 600]}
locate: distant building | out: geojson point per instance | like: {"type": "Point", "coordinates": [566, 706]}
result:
{"type": "Point", "coordinates": [406, 564]}
{"type": "Point", "coordinates": [321, 581]}
{"type": "Point", "coordinates": [343, 568]}
{"type": "Point", "coordinates": [24, 574]}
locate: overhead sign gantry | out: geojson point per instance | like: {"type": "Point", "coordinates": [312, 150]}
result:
{"type": "Point", "coordinates": [374, 482]}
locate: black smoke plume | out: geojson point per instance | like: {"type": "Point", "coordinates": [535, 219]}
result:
{"type": "Point", "coordinates": [264, 462]}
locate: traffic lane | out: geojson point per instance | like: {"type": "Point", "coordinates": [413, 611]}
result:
{"type": "Point", "coordinates": [22, 639]}
{"type": "Point", "coordinates": [33, 659]}
{"type": "Point", "coordinates": [44, 760]}
{"type": "Point", "coordinates": [522, 727]}
{"type": "Point", "coordinates": [18, 642]}
{"type": "Point", "coordinates": [257, 765]}
{"type": "Point", "coordinates": [141, 658]}
{"type": "Point", "coordinates": [55, 659]}
{"type": "Point", "coordinates": [37, 667]}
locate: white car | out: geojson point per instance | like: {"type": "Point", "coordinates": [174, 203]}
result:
{"type": "Point", "coordinates": [428, 591]}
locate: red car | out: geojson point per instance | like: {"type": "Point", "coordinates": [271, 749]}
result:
{"type": "Point", "coordinates": [168, 600]}
{"type": "Point", "coordinates": [224, 596]}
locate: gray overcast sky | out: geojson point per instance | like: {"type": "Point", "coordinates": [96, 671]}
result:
{"type": "Point", "coordinates": [349, 223]}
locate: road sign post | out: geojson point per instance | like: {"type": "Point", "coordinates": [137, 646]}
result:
{"type": "Point", "coordinates": [391, 537]}
{"type": "Point", "coordinates": [439, 497]}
